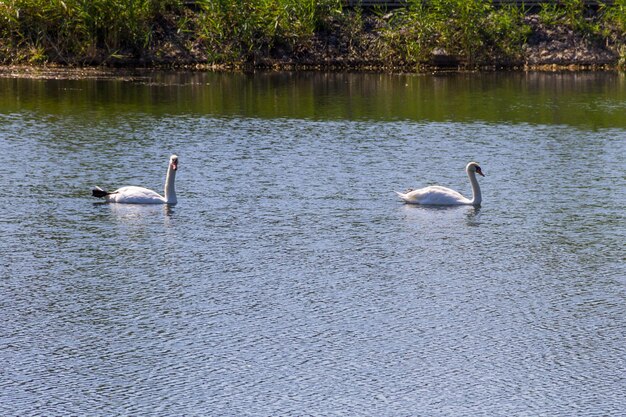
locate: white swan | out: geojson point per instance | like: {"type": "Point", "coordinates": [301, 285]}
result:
{"type": "Point", "coordinates": [442, 196]}
{"type": "Point", "coordinates": [140, 195]}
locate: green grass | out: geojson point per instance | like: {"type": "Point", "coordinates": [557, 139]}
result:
{"type": "Point", "coordinates": [471, 29]}
{"type": "Point", "coordinates": [247, 31]}
{"type": "Point", "coordinates": [240, 30]}
{"type": "Point", "coordinates": [66, 30]}
{"type": "Point", "coordinates": [615, 15]}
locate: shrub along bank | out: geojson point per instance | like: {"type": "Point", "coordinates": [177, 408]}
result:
{"type": "Point", "coordinates": [310, 34]}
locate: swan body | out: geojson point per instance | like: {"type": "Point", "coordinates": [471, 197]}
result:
{"type": "Point", "coordinates": [442, 196]}
{"type": "Point", "coordinates": [141, 195]}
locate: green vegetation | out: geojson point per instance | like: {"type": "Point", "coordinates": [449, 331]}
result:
{"type": "Point", "coordinates": [471, 29]}
{"type": "Point", "coordinates": [615, 20]}
{"type": "Point", "coordinates": [70, 31]}
{"type": "Point", "coordinates": [241, 30]}
{"type": "Point", "coordinates": [252, 32]}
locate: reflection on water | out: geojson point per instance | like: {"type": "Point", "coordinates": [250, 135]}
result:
{"type": "Point", "coordinates": [415, 212]}
{"type": "Point", "coordinates": [589, 99]}
{"type": "Point", "coordinates": [289, 279]}
{"type": "Point", "coordinates": [137, 212]}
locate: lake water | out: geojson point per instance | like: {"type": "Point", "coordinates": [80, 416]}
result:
{"type": "Point", "coordinates": [289, 279]}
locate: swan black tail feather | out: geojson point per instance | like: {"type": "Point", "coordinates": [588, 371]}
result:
{"type": "Point", "coordinates": [99, 192]}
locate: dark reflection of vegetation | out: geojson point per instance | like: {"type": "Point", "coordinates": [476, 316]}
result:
{"type": "Point", "coordinates": [579, 99]}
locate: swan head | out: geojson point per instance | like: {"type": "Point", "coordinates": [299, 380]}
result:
{"type": "Point", "coordinates": [174, 162]}
{"type": "Point", "coordinates": [473, 167]}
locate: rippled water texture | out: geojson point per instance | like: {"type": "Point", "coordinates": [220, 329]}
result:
{"type": "Point", "coordinates": [289, 279]}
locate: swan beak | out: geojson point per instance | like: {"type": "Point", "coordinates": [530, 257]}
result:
{"type": "Point", "coordinates": [174, 165]}
{"type": "Point", "coordinates": [479, 172]}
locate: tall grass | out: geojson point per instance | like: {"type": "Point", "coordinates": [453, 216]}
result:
{"type": "Point", "coordinates": [242, 30]}
{"type": "Point", "coordinates": [568, 13]}
{"type": "Point", "coordinates": [615, 18]}
{"type": "Point", "coordinates": [63, 30]}
{"type": "Point", "coordinates": [246, 31]}
{"type": "Point", "coordinates": [616, 15]}
{"type": "Point", "coordinates": [471, 29]}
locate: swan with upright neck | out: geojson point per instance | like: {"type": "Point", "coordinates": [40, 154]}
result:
{"type": "Point", "coordinates": [441, 196]}
{"type": "Point", "coordinates": [140, 195]}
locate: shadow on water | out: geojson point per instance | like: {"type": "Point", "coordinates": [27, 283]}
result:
{"type": "Point", "coordinates": [136, 212]}
{"type": "Point", "coordinates": [590, 100]}
{"type": "Point", "coordinates": [442, 214]}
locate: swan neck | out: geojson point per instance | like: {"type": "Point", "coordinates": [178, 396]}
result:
{"type": "Point", "coordinates": [170, 188]}
{"type": "Point", "coordinates": [477, 197]}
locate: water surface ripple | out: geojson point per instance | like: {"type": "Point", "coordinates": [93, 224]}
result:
{"type": "Point", "coordinates": [289, 280]}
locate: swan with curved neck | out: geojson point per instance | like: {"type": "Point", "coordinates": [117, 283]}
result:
{"type": "Point", "coordinates": [140, 195]}
{"type": "Point", "coordinates": [441, 196]}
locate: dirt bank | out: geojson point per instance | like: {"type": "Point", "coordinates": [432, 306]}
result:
{"type": "Point", "coordinates": [561, 47]}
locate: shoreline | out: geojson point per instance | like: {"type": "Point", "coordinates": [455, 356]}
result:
{"type": "Point", "coordinates": [352, 41]}
{"type": "Point", "coordinates": [131, 73]}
